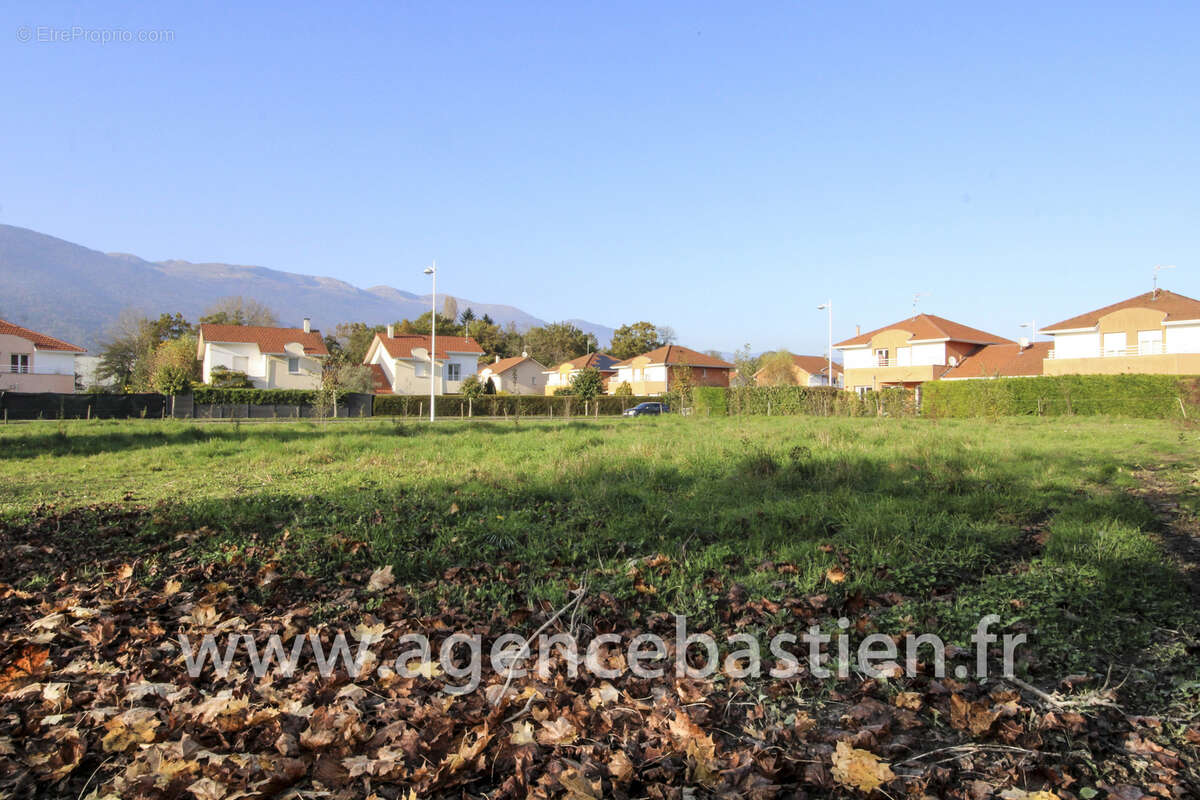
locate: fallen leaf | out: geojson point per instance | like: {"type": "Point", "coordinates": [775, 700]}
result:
{"type": "Point", "coordinates": [860, 769]}
{"type": "Point", "coordinates": [381, 579]}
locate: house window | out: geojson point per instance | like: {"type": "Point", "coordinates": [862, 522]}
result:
{"type": "Point", "coordinates": [419, 370]}
{"type": "Point", "coordinates": [881, 357]}
{"type": "Point", "coordinates": [1114, 344]}
{"type": "Point", "coordinates": [241, 363]}
{"type": "Point", "coordinates": [19, 362]}
{"type": "Point", "coordinates": [454, 372]}
{"type": "Point", "coordinates": [294, 365]}
{"type": "Point", "coordinates": [1150, 343]}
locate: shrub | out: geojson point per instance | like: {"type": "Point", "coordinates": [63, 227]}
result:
{"type": "Point", "coordinates": [254, 397]}
{"type": "Point", "coordinates": [1152, 396]}
{"type": "Point", "coordinates": [224, 378]}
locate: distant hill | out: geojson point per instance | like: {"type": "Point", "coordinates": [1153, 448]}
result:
{"type": "Point", "coordinates": [74, 293]}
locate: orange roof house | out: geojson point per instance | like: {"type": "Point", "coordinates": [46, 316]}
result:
{"type": "Point", "coordinates": [1001, 361]}
{"type": "Point", "coordinates": [35, 362]}
{"type": "Point", "coordinates": [810, 371]}
{"type": "Point", "coordinates": [657, 371]}
{"type": "Point", "coordinates": [1156, 332]}
{"type": "Point", "coordinates": [560, 377]}
{"type": "Point", "coordinates": [517, 375]}
{"type": "Point", "coordinates": [272, 358]}
{"type": "Point", "coordinates": [404, 362]}
{"type": "Point", "coordinates": [910, 352]}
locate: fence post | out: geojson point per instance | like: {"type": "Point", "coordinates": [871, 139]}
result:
{"type": "Point", "coordinates": [470, 407]}
{"type": "Point", "coordinates": [421, 410]}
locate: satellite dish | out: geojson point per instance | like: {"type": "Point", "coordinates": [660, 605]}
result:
{"type": "Point", "coordinates": [420, 353]}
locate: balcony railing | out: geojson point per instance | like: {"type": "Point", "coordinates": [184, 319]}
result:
{"type": "Point", "coordinates": [1151, 349]}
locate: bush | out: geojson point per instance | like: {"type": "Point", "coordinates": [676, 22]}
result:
{"type": "Point", "coordinates": [1149, 396]}
{"type": "Point", "coordinates": [503, 405]}
{"type": "Point", "coordinates": [254, 397]}
{"type": "Point", "coordinates": [822, 401]}
{"type": "Point", "coordinates": [710, 401]}
{"type": "Point", "coordinates": [223, 378]}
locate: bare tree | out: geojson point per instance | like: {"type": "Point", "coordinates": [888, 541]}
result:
{"type": "Point", "coordinates": [238, 310]}
{"type": "Point", "coordinates": [450, 308]}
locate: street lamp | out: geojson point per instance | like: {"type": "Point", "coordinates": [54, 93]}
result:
{"type": "Point", "coordinates": [1032, 325]}
{"type": "Point", "coordinates": [432, 271]}
{"type": "Point", "coordinates": [828, 306]}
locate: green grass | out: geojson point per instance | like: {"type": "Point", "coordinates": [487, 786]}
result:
{"type": "Point", "coordinates": [1032, 519]}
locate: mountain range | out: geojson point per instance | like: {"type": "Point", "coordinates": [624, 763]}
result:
{"type": "Point", "coordinates": [74, 293]}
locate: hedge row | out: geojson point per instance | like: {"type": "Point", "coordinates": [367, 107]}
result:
{"type": "Point", "coordinates": [1153, 396]}
{"type": "Point", "coordinates": [821, 401]}
{"type": "Point", "coordinates": [253, 397]}
{"type": "Point", "coordinates": [504, 405]}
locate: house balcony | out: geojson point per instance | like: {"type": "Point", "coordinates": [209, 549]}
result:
{"type": "Point", "coordinates": [1144, 360]}
{"type": "Point", "coordinates": [1154, 349]}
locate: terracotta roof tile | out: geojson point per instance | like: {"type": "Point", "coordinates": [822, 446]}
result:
{"type": "Point", "coordinates": [507, 363]}
{"type": "Point", "coordinates": [401, 345]}
{"type": "Point", "coordinates": [40, 340]}
{"type": "Point", "coordinates": [674, 355]}
{"type": "Point", "coordinates": [269, 340]}
{"type": "Point", "coordinates": [1002, 361]}
{"type": "Point", "coordinates": [379, 380]}
{"type": "Point", "coordinates": [1177, 307]}
{"type": "Point", "coordinates": [925, 327]}
{"type": "Point", "coordinates": [816, 365]}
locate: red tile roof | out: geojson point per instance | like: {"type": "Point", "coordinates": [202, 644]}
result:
{"type": "Point", "coordinates": [507, 363]}
{"type": "Point", "coordinates": [40, 340]}
{"type": "Point", "coordinates": [816, 365]}
{"type": "Point", "coordinates": [674, 355]}
{"type": "Point", "coordinates": [601, 361]}
{"type": "Point", "coordinates": [927, 327]}
{"type": "Point", "coordinates": [1176, 306]}
{"type": "Point", "coordinates": [269, 340]}
{"type": "Point", "coordinates": [1002, 361]}
{"type": "Point", "coordinates": [401, 345]}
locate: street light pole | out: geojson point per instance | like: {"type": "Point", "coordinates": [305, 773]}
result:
{"type": "Point", "coordinates": [828, 306]}
{"type": "Point", "coordinates": [432, 270]}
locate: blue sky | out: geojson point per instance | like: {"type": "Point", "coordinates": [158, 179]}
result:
{"type": "Point", "coordinates": [720, 168]}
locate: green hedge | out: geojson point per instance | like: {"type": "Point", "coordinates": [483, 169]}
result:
{"type": "Point", "coordinates": [502, 405]}
{"type": "Point", "coordinates": [710, 401]}
{"type": "Point", "coordinates": [821, 401]}
{"type": "Point", "coordinates": [254, 397]}
{"type": "Point", "coordinates": [1153, 396]}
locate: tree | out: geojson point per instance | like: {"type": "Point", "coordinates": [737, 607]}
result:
{"type": "Point", "coordinates": [449, 309]}
{"type": "Point", "coordinates": [634, 339]}
{"type": "Point", "coordinates": [127, 354]}
{"type": "Point", "coordinates": [624, 389]}
{"type": "Point", "coordinates": [174, 366]}
{"type": "Point", "coordinates": [776, 369]}
{"type": "Point", "coordinates": [558, 342]}
{"type": "Point", "coordinates": [466, 318]}
{"type": "Point", "coordinates": [355, 378]}
{"type": "Point", "coordinates": [351, 340]}
{"type": "Point", "coordinates": [587, 383]}
{"type": "Point", "coordinates": [746, 365]}
{"type": "Point", "coordinates": [238, 310]}
{"type": "Point", "coordinates": [472, 387]}
{"type": "Point", "coordinates": [445, 325]}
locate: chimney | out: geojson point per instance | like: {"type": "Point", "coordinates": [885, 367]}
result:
{"type": "Point", "coordinates": [857, 330]}
{"type": "Point", "coordinates": [497, 361]}
{"type": "Point", "coordinates": [307, 325]}
{"type": "Point", "coordinates": [391, 331]}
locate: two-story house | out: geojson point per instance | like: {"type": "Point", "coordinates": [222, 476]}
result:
{"type": "Point", "coordinates": [910, 352]}
{"type": "Point", "coordinates": [1157, 332]}
{"type": "Point", "coordinates": [560, 377]}
{"type": "Point", "coordinates": [659, 370]}
{"type": "Point", "coordinates": [401, 362]}
{"type": "Point", "coordinates": [34, 362]}
{"type": "Point", "coordinates": [272, 358]}
{"type": "Point", "coordinates": [517, 375]}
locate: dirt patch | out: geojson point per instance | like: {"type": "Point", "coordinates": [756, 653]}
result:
{"type": "Point", "coordinates": [1179, 528]}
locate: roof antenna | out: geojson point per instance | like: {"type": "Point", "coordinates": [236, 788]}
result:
{"type": "Point", "coordinates": [917, 299]}
{"type": "Point", "coordinates": [1157, 267]}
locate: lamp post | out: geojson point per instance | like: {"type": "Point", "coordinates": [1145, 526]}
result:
{"type": "Point", "coordinates": [828, 306]}
{"type": "Point", "coordinates": [432, 271]}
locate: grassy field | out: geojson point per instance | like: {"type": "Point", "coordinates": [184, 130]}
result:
{"type": "Point", "coordinates": [1036, 520]}
{"type": "Point", "coordinates": [903, 524]}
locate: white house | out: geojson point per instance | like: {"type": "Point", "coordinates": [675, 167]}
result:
{"type": "Point", "coordinates": [517, 375]}
{"type": "Point", "coordinates": [561, 376]}
{"type": "Point", "coordinates": [1157, 332]}
{"type": "Point", "coordinates": [401, 362]}
{"type": "Point", "coordinates": [272, 358]}
{"type": "Point", "coordinates": [34, 362]}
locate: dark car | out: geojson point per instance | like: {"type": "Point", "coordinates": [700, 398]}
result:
{"type": "Point", "coordinates": [647, 408]}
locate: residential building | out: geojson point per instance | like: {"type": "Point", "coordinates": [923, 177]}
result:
{"type": "Point", "coordinates": [401, 362]}
{"type": "Point", "coordinates": [1157, 332]}
{"type": "Point", "coordinates": [34, 362]}
{"type": "Point", "coordinates": [272, 358]}
{"type": "Point", "coordinates": [910, 352]}
{"type": "Point", "coordinates": [810, 371]}
{"type": "Point", "coordinates": [1021, 360]}
{"type": "Point", "coordinates": [517, 375]}
{"type": "Point", "coordinates": [560, 377]}
{"type": "Point", "coordinates": [657, 372]}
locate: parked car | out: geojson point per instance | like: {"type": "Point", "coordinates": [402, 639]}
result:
{"type": "Point", "coordinates": [647, 408]}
